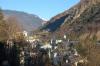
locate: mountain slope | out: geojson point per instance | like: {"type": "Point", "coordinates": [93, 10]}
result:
{"type": "Point", "coordinates": [81, 18]}
{"type": "Point", "coordinates": [28, 22]}
{"type": "Point", "coordinates": [86, 19]}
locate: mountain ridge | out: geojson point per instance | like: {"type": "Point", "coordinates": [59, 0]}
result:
{"type": "Point", "coordinates": [29, 22]}
{"type": "Point", "coordinates": [82, 18]}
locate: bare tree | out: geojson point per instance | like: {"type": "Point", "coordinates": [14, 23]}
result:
{"type": "Point", "coordinates": [14, 28]}
{"type": "Point", "coordinates": [3, 28]}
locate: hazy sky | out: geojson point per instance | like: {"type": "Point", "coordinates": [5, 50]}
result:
{"type": "Point", "coordinates": [43, 8]}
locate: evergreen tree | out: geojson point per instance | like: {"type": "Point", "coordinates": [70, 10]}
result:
{"type": "Point", "coordinates": [2, 53]}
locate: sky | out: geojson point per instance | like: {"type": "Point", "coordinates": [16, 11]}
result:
{"type": "Point", "coordinates": [43, 8]}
